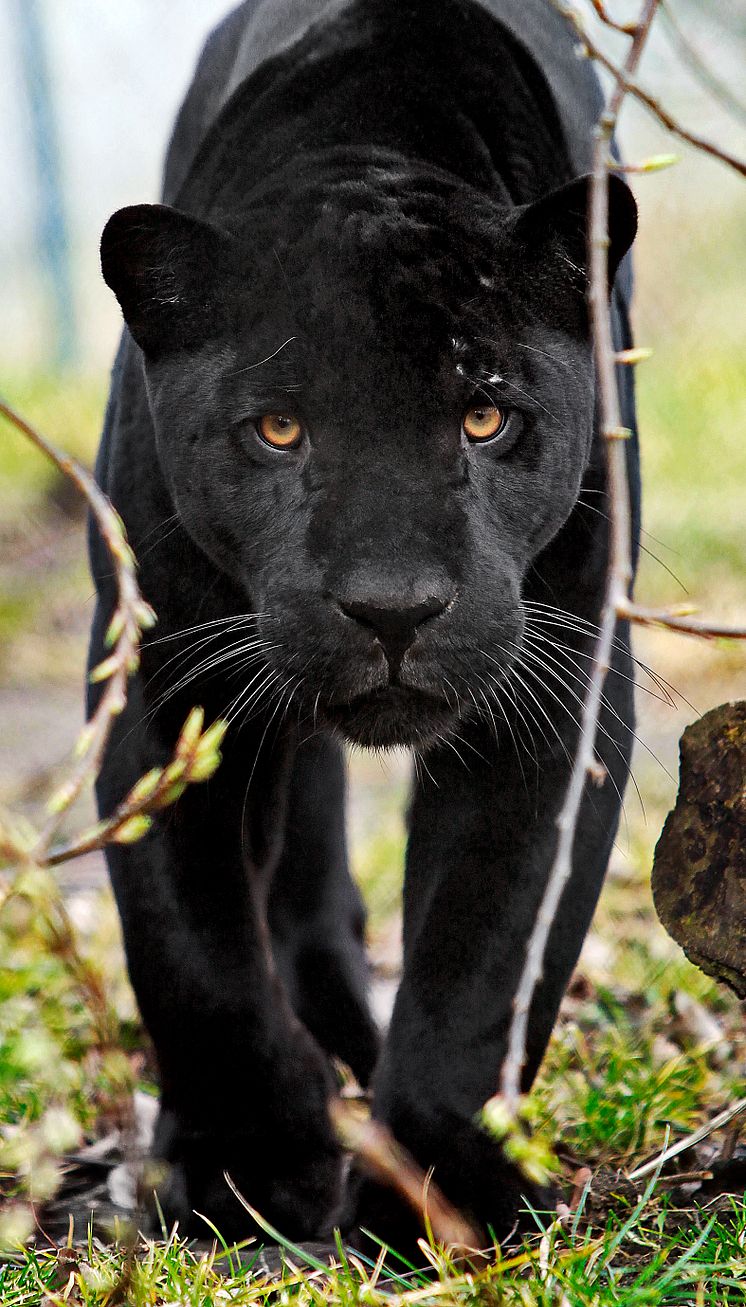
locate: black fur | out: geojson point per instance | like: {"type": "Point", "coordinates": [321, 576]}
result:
{"type": "Point", "coordinates": [374, 219]}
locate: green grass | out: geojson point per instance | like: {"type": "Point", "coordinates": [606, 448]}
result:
{"type": "Point", "coordinates": [692, 416]}
{"type": "Point", "coordinates": [609, 1095]}
{"type": "Point", "coordinates": [624, 1263]}
{"type": "Point", "coordinates": [68, 409]}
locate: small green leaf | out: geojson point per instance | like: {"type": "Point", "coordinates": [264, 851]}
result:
{"type": "Point", "coordinates": [58, 801]}
{"type": "Point", "coordinates": [497, 1117]}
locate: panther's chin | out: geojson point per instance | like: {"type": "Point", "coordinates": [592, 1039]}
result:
{"type": "Point", "coordinates": [393, 717]}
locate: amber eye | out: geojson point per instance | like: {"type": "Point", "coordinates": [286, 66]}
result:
{"type": "Point", "coordinates": [483, 423]}
{"type": "Point", "coordinates": [280, 430]}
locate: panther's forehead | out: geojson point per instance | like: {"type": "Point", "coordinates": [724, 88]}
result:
{"type": "Point", "coordinates": [391, 237]}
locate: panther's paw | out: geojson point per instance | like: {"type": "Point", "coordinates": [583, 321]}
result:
{"type": "Point", "coordinates": [379, 1216]}
{"type": "Point", "coordinates": [294, 1182]}
{"type": "Point", "coordinates": [494, 1197]}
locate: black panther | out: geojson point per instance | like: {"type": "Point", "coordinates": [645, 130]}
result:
{"type": "Point", "coordinates": [352, 434]}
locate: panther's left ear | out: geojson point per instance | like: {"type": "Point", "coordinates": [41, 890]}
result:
{"type": "Point", "coordinates": [558, 223]}
{"type": "Point", "coordinates": [167, 269]}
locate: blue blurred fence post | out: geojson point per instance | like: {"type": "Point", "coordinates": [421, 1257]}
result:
{"type": "Point", "coordinates": [54, 245]}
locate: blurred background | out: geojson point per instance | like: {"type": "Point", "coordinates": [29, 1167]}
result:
{"type": "Point", "coordinates": [88, 92]}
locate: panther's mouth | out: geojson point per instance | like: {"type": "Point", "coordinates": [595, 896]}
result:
{"type": "Point", "coordinates": [393, 716]}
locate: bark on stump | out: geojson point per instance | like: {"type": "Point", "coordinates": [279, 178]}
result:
{"type": "Point", "coordinates": [699, 869]}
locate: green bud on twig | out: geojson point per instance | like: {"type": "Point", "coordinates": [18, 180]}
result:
{"type": "Point", "coordinates": [115, 628]}
{"type": "Point", "coordinates": [85, 739]}
{"type": "Point", "coordinates": [212, 738]}
{"type": "Point", "coordinates": [497, 1117]}
{"type": "Point", "coordinates": [190, 732]}
{"type": "Point", "coordinates": [145, 787]}
{"type": "Point", "coordinates": [104, 670]}
{"type": "Point", "coordinates": [631, 356]}
{"type": "Point", "coordinates": [173, 793]}
{"type": "Point", "coordinates": [175, 770]}
{"type": "Point", "coordinates": [132, 830]}
{"type": "Point", "coordinates": [204, 767]}
{"type": "Point", "coordinates": [145, 615]}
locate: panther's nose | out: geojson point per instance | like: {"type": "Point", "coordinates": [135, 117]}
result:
{"type": "Point", "coordinates": [395, 625]}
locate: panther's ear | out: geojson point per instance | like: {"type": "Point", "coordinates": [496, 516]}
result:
{"type": "Point", "coordinates": [165, 268]}
{"type": "Point", "coordinates": [560, 219]}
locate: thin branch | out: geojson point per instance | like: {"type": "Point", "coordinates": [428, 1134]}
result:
{"type": "Point", "coordinates": [625, 81]}
{"type": "Point", "coordinates": [389, 1163]}
{"type": "Point", "coordinates": [681, 1146]}
{"type": "Point", "coordinates": [674, 621]}
{"type": "Point", "coordinates": [618, 579]}
{"type": "Point", "coordinates": [618, 604]}
{"type": "Point", "coordinates": [690, 56]}
{"type": "Point", "coordinates": [628, 29]}
{"type": "Point", "coordinates": [196, 755]}
{"type": "Point", "coordinates": [195, 758]}
{"type": "Point", "coordinates": [131, 617]}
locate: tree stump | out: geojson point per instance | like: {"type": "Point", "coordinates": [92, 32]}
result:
{"type": "Point", "coordinates": [699, 868]}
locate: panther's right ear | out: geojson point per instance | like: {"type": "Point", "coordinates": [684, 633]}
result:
{"type": "Point", "coordinates": [165, 268]}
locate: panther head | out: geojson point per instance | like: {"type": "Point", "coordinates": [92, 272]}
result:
{"type": "Point", "coordinates": [374, 404]}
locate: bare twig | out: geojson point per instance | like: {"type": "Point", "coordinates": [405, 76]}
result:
{"type": "Point", "coordinates": [580, 1184]}
{"type": "Point", "coordinates": [195, 758]}
{"type": "Point", "coordinates": [392, 1165]}
{"type": "Point", "coordinates": [627, 28]}
{"type": "Point", "coordinates": [722, 1118]}
{"type": "Point", "coordinates": [624, 78]}
{"type": "Point", "coordinates": [675, 620]}
{"type": "Point", "coordinates": [197, 751]}
{"type": "Point", "coordinates": [619, 578]}
{"type": "Point", "coordinates": [730, 1142]}
{"type": "Point", "coordinates": [689, 55]}
{"type": "Point", "coordinates": [131, 617]}
{"type": "Point", "coordinates": [684, 1177]}
{"type": "Point", "coordinates": [617, 603]}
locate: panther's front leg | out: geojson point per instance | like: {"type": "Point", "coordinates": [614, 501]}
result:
{"type": "Point", "coordinates": [244, 1086]}
{"type": "Point", "coordinates": [483, 836]}
{"type": "Point", "coordinates": [316, 913]}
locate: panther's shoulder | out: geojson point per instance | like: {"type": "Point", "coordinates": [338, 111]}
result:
{"type": "Point", "coordinates": [257, 31]}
